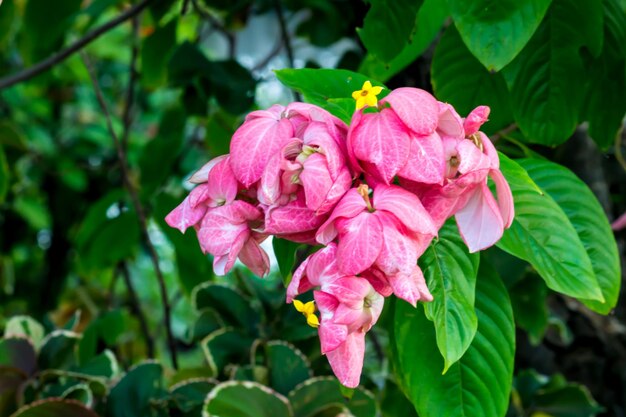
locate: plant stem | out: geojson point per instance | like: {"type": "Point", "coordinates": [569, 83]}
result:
{"type": "Point", "coordinates": [134, 196]}
{"type": "Point", "coordinates": [136, 309]}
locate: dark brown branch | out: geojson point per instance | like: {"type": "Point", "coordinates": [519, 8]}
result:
{"type": "Point", "coordinates": [61, 56]}
{"type": "Point", "coordinates": [127, 115]}
{"type": "Point", "coordinates": [136, 309]}
{"type": "Point", "coordinates": [503, 132]}
{"type": "Point", "coordinates": [134, 196]}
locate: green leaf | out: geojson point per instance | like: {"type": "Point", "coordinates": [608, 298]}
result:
{"type": "Point", "coordinates": [496, 31]}
{"type": "Point", "coordinates": [4, 175]}
{"type": "Point", "coordinates": [229, 303]}
{"type": "Point", "coordinates": [225, 400]}
{"type": "Point", "coordinates": [155, 54]}
{"type": "Point", "coordinates": [207, 322]}
{"type": "Point", "coordinates": [587, 216]}
{"type": "Point", "coordinates": [25, 326]}
{"type": "Point", "coordinates": [159, 155]}
{"type": "Point", "coordinates": [388, 27]}
{"type": "Point", "coordinates": [288, 366]}
{"type": "Point", "coordinates": [321, 393]}
{"type": "Point", "coordinates": [285, 251]}
{"type": "Point", "coordinates": [193, 266]}
{"type": "Point", "coordinates": [81, 393]}
{"type": "Point", "coordinates": [234, 86]}
{"type": "Point", "coordinates": [138, 393]}
{"type": "Point", "coordinates": [19, 354]}
{"type": "Point", "coordinates": [188, 396]}
{"type": "Point", "coordinates": [430, 19]}
{"type": "Point", "coordinates": [59, 350]}
{"type": "Point", "coordinates": [476, 86]}
{"type": "Point", "coordinates": [479, 383]}
{"type": "Point", "coordinates": [55, 407]}
{"type": "Point", "coordinates": [542, 234]}
{"type": "Point", "coordinates": [450, 273]}
{"type": "Point", "coordinates": [103, 331]}
{"type": "Point", "coordinates": [57, 20]}
{"type": "Point", "coordinates": [528, 298]}
{"type": "Point", "coordinates": [322, 86]}
{"type": "Point", "coordinates": [7, 23]}
{"type": "Point", "coordinates": [604, 106]}
{"type": "Point", "coordinates": [545, 79]}
{"type": "Point", "coordinates": [226, 346]}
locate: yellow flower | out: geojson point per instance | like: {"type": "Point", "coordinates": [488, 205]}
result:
{"type": "Point", "coordinates": [308, 311]}
{"type": "Point", "coordinates": [366, 96]}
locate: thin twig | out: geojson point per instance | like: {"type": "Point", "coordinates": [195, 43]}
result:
{"type": "Point", "coordinates": [136, 309]}
{"type": "Point", "coordinates": [275, 51]}
{"type": "Point", "coordinates": [134, 196]}
{"type": "Point", "coordinates": [61, 56]}
{"type": "Point", "coordinates": [216, 24]}
{"type": "Point", "coordinates": [503, 132]}
{"type": "Point", "coordinates": [286, 40]}
{"type": "Point", "coordinates": [127, 115]}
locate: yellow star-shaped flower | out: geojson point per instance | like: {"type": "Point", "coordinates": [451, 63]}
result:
{"type": "Point", "coordinates": [366, 96]}
{"type": "Point", "coordinates": [308, 311]}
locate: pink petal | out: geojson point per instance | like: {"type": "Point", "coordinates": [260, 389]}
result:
{"type": "Point", "coordinates": [378, 280]}
{"type": "Point", "coordinates": [339, 188]}
{"type": "Point", "coordinates": [620, 223]}
{"type": "Point", "coordinates": [200, 195]}
{"type": "Point", "coordinates": [410, 287]}
{"type": "Point", "coordinates": [202, 175]}
{"type": "Point", "coordinates": [383, 140]}
{"type": "Point", "coordinates": [480, 222]}
{"type": "Point", "coordinates": [254, 143]}
{"type": "Point", "coordinates": [224, 263]}
{"type": "Point", "coordinates": [217, 234]}
{"type": "Point", "coordinates": [417, 109]}
{"type": "Point", "coordinates": [255, 258]}
{"type": "Point", "coordinates": [349, 206]}
{"type": "Point", "coordinates": [505, 198]}
{"type": "Point", "coordinates": [475, 119]}
{"type": "Point", "coordinates": [405, 206]}
{"type": "Point", "coordinates": [317, 135]}
{"type": "Point", "coordinates": [349, 290]}
{"type": "Point", "coordinates": [347, 360]}
{"type": "Point", "coordinates": [471, 158]}
{"type": "Point", "coordinates": [185, 215]}
{"type": "Point", "coordinates": [269, 188]}
{"type": "Point", "coordinates": [294, 217]}
{"type": "Point", "coordinates": [299, 282]}
{"type": "Point", "coordinates": [326, 304]}
{"type": "Point", "coordinates": [222, 182]}
{"type": "Point", "coordinates": [399, 252]}
{"type": "Point", "coordinates": [450, 123]}
{"type": "Point", "coordinates": [332, 336]}
{"type": "Point", "coordinates": [316, 181]}
{"type": "Point", "coordinates": [426, 161]}
{"type": "Point", "coordinates": [360, 242]}
{"type": "Point", "coordinates": [490, 150]}
{"type": "Point", "coordinates": [322, 267]}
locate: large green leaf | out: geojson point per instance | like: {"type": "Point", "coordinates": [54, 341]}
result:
{"type": "Point", "coordinates": [18, 354]}
{"type": "Point", "coordinates": [388, 27]}
{"type": "Point", "coordinates": [25, 326]}
{"type": "Point", "coordinates": [587, 216]}
{"type": "Point", "coordinates": [528, 298]}
{"type": "Point", "coordinates": [287, 365]}
{"type": "Point", "coordinates": [55, 407]}
{"type": "Point", "coordinates": [59, 350]}
{"type": "Point", "coordinates": [542, 234]}
{"type": "Point", "coordinates": [229, 303]}
{"type": "Point", "coordinates": [461, 80]}
{"type": "Point", "coordinates": [478, 385]}
{"type": "Point", "coordinates": [226, 346]}
{"type": "Point", "coordinates": [450, 272]}
{"type": "Point", "coordinates": [430, 19]}
{"type": "Point", "coordinates": [155, 54]}
{"type": "Point", "coordinates": [246, 399]}
{"type": "Point", "coordinates": [323, 86]}
{"type": "Point", "coordinates": [57, 20]}
{"type": "Point", "coordinates": [496, 31]}
{"type": "Point", "coordinates": [604, 105]}
{"type": "Point", "coordinates": [188, 396]}
{"type": "Point", "coordinates": [547, 77]}
{"type": "Point", "coordinates": [285, 251]}
{"type": "Point", "coordinates": [139, 393]}
{"type": "Point", "coordinates": [315, 395]}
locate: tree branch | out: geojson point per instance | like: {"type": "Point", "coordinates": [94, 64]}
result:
{"type": "Point", "coordinates": [61, 56]}
{"type": "Point", "coordinates": [286, 40]}
{"type": "Point", "coordinates": [213, 21]}
{"type": "Point", "coordinates": [127, 116]}
{"type": "Point", "coordinates": [503, 132]}
{"type": "Point", "coordinates": [134, 196]}
{"type": "Point", "coordinates": [136, 309]}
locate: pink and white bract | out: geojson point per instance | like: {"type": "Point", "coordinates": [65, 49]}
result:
{"type": "Point", "coordinates": [374, 194]}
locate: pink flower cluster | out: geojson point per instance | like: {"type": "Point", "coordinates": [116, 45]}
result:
{"type": "Point", "coordinates": [374, 194]}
